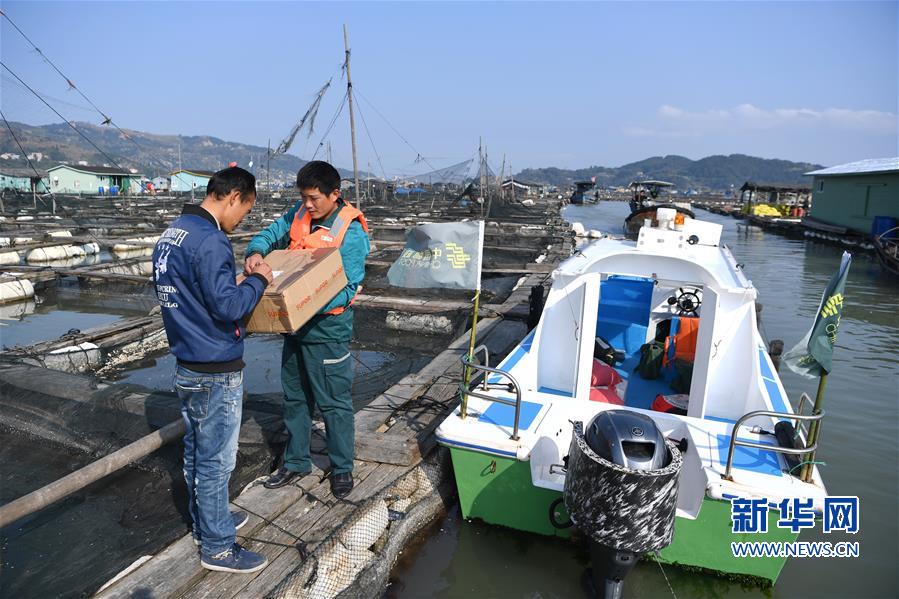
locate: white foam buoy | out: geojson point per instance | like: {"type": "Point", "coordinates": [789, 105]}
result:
{"type": "Point", "coordinates": [59, 252]}
{"type": "Point", "coordinates": [363, 533]}
{"type": "Point", "coordinates": [74, 358]}
{"type": "Point", "coordinates": [139, 243]}
{"type": "Point", "coordinates": [24, 218]}
{"type": "Point", "coordinates": [16, 290]}
{"type": "Point", "coordinates": [91, 248]}
{"type": "Point", "coordinates": [5, 242]}
{"type": "Point", "coordinates": [133, 252]}
{"type": "Point", "coordinates": [578, 229]}
{"type": "Point", "coordinates": [419, 323]}
{"type": "Point", "coordinates": [7, 258]}
{"type": "Point", "coordinates": [56, 234]}
{"type": "Point", "coordinates": [22, 240]}
{"type": "Point", "coordinates": [594, 234]}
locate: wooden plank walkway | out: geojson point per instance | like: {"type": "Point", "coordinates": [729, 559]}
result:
{"type": "Point", "coordinates": [393, 433]}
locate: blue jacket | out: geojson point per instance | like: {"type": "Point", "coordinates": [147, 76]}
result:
{"type": "Point", "coordinates": [202, 306]}
{"type": "Point", "coordinates": [322, 328]}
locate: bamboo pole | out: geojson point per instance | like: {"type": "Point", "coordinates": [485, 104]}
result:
{"type": "Point", "coordinates": [814, 431]}
{"type": "Point", "coordinates": [349, 95]}
{"type": "Point", "coordinates": [466, 378]}
{"type": "Point", "coordinates": [78, 480]}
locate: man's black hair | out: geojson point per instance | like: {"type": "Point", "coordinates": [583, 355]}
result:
{"type": "Point", "coordinates": [232, 178]}
{"type": "Point", "coordinates": [318, 174]}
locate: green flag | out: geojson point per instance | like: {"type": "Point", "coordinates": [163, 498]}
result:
{"type": "Point", "coordinates": [813, 355]}
{"type": "Point", "coordinates": [444, 255]}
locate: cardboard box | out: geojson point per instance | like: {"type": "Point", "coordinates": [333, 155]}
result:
{"type": "Point", "coordinates": [304, 282]}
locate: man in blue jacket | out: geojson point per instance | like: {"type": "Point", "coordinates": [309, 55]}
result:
{"type": "Point", "coordinates": [316, 364]}
{"type": "Point", "coordinates": [202, 310]}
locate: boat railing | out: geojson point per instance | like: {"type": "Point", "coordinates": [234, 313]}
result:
{"type": "Point", "coordinates": [512, 386]}
{"type": "Point", "coordinates": [798, 417]}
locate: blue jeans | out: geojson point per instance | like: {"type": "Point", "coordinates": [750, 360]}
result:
{"type": "Point", "coordinates": [211, 408]}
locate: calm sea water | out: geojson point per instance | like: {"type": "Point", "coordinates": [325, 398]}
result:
{"type": "Point", "coordinates": [858, 444]}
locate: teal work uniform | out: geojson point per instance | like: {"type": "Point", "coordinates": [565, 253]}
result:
{"type": "Point", "coordinates": [316, 364]}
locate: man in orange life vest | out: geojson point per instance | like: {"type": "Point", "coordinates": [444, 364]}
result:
{"type": "Point", "coordinates": [316, 364]}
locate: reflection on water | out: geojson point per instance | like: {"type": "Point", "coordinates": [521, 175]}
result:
{"type": "Point", "coordinates": [43, 324]}
{"type": "Point", "coordinates": [16, 311]}
{"type": "Point", "coordinates": [858, 443]}
{"type": "Point", "coordinates": [373, 371]}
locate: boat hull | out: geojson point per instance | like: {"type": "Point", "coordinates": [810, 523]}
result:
{"type": "Point", "coordinates": [498, 490]}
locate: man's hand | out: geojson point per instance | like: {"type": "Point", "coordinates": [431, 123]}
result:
{"type": "Point", "coordinates": [252, 262]}
{"type": "Point", "coordinates": [263, 269]}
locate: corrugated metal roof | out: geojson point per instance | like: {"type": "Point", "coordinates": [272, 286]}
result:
{"type": "Point", "coordinates": [95, 170]}
{"type": "Point", "coordinates": [194, 172]}
{"type": "Point", "coordinates": [873, 165]}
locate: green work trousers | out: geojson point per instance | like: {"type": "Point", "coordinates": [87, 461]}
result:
{"type": "Point", "coordinates": [318, 374]}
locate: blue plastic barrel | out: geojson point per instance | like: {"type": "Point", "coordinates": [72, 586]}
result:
{"type": "Point", "coordinates": [113, 190]}
{"type": "Point", "coordinates": [100, 190]}
{"type": "Point", "coordinates": [881, 224]}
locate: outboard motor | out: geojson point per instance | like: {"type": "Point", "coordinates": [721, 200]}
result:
{"type": "Point", "coordinates": [621, 491]}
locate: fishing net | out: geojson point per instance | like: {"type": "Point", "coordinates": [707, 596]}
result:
{"type": "Point", "coordinates": [453, 174]}
{"type": "Point", "coordinates": [56, 422]}
{"type": "Point", "coordinates": [355, 559]}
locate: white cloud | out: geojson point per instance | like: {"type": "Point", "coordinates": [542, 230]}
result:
{"type": "Point", "coordinates": [747, 116]}
{"type": "Point", "coordinates": [654, 132]}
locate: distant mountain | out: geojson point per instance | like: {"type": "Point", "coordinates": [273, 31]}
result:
{"type": "Point", "coordinates": [712, 172]}
{"type": "Point", "coordinates": [154, 154]}
{"type": "Point", "coordinates": [149, 153]}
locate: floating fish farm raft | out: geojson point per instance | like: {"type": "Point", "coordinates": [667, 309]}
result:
{"type": "Point", "coordinates": [93, 499]}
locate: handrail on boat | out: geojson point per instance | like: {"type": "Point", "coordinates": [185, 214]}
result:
{"type": "Point", "coordinates": [486, 362]}
{"type": "Point", "coordinates": [776, 448]}
{"type": "Point", "coordinates": [468, 362]}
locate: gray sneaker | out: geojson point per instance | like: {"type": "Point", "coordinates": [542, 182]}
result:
{"type": "Point", "coordinates": [235, 559]}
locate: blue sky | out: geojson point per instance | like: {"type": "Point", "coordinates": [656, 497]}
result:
{"type": "Point", "coordinates": [545, 84]}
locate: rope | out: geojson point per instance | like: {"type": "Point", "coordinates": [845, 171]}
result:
{"type": "Point", "coordinates": [371, 141]}
{"type": "Point", "coordinates": [803, 463]}
{"type": "Point", "coordinates": [389, 124]}
{"type": "Point", "coordinates": [330, 126]}
{"type": "Point", "coordinates": [668, 582]}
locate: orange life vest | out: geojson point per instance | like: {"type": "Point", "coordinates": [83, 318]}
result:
{"type": "Point", "coordinates": [302, 237]}
{"type": "Point", "coordinates": [684, 340]}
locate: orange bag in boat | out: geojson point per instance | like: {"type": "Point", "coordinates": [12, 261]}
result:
{"type": "Point", "coordinates": [684, 340]}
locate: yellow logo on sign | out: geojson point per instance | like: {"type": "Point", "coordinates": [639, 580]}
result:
{"type": "Point", "coordinates": [456, 255]}
{"type": "Point", "coordinates": [832, 305]}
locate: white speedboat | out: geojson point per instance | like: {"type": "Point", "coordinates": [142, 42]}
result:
{"type": "Point", "coordinates": [717, 394]}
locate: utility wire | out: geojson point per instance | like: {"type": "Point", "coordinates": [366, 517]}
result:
{"type": "Point", "coordinates": [82, 107]}
{"type": "Point", "coordinates": [371, 141]}
{"type": "Point", "coordinates": [21, 149]}
{"type": "Point", "coordinates": [78, 131]}
{"type": "Point", "coordinates": [330, 126]}
{"type": "Point", "coordinates": [389, 124]}
{"type": "Point", "coordinates": [55, 68]}
{"type": "Point", "coordinates": [107, 120]}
